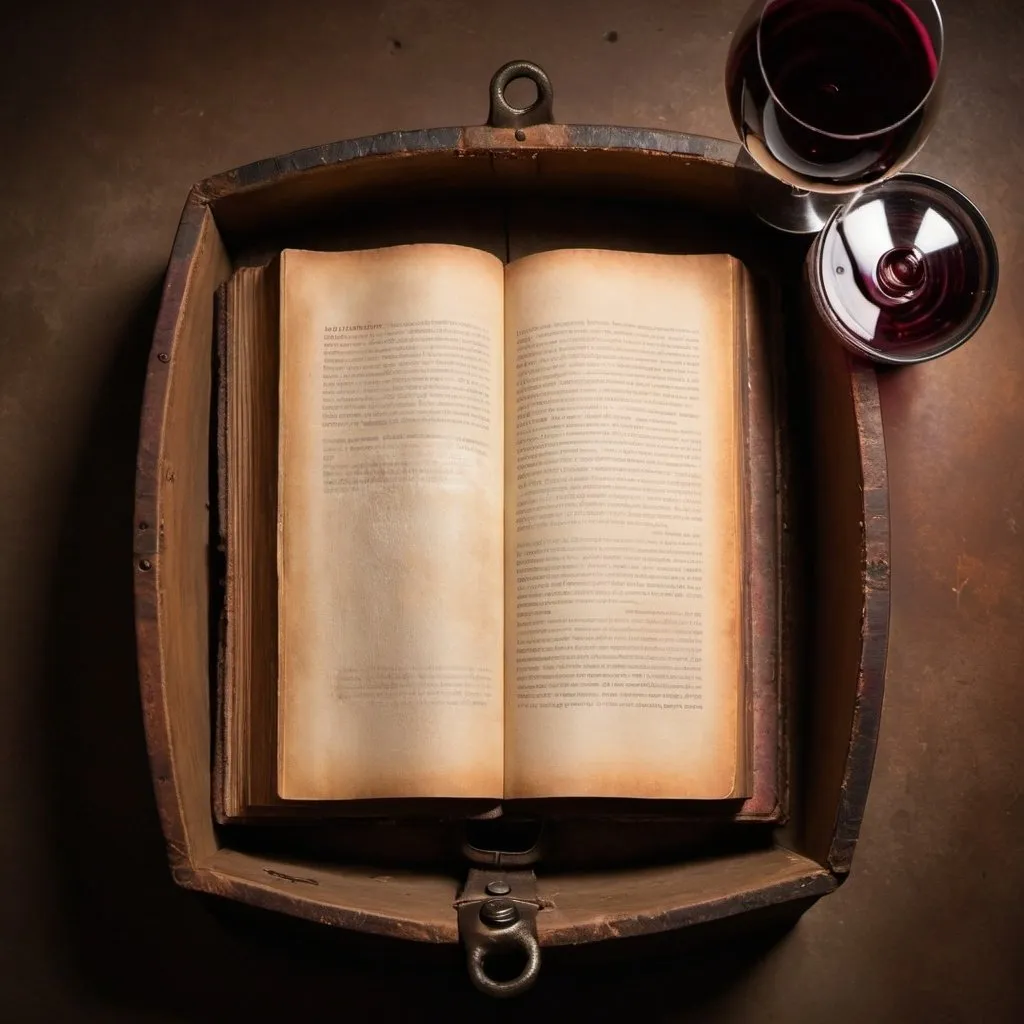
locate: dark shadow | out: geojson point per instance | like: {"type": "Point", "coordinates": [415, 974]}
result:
{"type": "Point", "coordinates": [104, 829]}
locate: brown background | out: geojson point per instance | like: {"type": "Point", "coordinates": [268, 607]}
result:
{"type": "Point", "coordinates": [108, 112]}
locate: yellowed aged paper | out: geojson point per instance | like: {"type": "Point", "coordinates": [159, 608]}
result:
{"type": "Point", "coordinates": [390, 524]}
{"type": "Point", "coordinates": [624, 649]}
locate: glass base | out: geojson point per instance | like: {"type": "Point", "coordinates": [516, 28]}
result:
{"type": "Point", "coordinates": [781, 206]}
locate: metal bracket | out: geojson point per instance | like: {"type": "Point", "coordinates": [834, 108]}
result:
{"type": "Point", "coordinates": [503, 114]}
{"type": "Point", "coordinates": [497, 913]}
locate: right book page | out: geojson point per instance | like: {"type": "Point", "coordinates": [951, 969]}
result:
{"type": "Point", "coordinates": [624, 606]}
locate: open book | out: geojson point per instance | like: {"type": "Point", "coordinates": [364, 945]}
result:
{"type": "Point", "coordinates": [509, 527]}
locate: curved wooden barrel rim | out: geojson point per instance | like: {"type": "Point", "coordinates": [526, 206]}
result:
{"type": "Point", "coordinates": [171, 525]}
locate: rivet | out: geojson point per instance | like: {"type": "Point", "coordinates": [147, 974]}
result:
{"type": "Point", "coordinates": [145, 565]}
{"type": "Point", "coordinates": [164, 357]}
{"type": "Point", "coordinates": [498, 888]}
{"type": "Point", "coordinates": [520, 135]}
{"type": "Point", "coordinates": [499, 913]}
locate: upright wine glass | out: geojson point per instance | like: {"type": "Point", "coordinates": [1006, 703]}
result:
{"type": "Point", "coordinates": [829, 96]}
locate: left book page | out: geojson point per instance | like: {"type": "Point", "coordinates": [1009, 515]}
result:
{"type": "Point", "coordinates": [390, 524]}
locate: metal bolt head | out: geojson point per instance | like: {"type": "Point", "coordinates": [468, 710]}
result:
{"type": "Point", "coordinates": [498, 888]}
{"type": "Point", "coordinates": [499, 913]}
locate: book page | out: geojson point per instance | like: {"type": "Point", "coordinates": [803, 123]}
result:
{"type": "Point", "coordinates": [624, 652]}
{"type": "Point", "coordinates": [246, 752]}
{"type": "Point", "coordinates": [390, 524]}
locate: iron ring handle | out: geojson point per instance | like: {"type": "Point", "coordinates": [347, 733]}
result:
{"type": "Point", "coordinates": [513, 938]}
{"type": "Point", "coordinates": [503, 114]}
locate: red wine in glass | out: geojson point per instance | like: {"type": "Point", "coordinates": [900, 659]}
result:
{"type": "Point", "coordinates": [905, 272]}
{"type": "Point", "coordinates": [833, 95]}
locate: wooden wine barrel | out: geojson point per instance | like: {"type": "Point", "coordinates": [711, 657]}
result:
{"type": "Point", "coordinates": [522, 183]}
